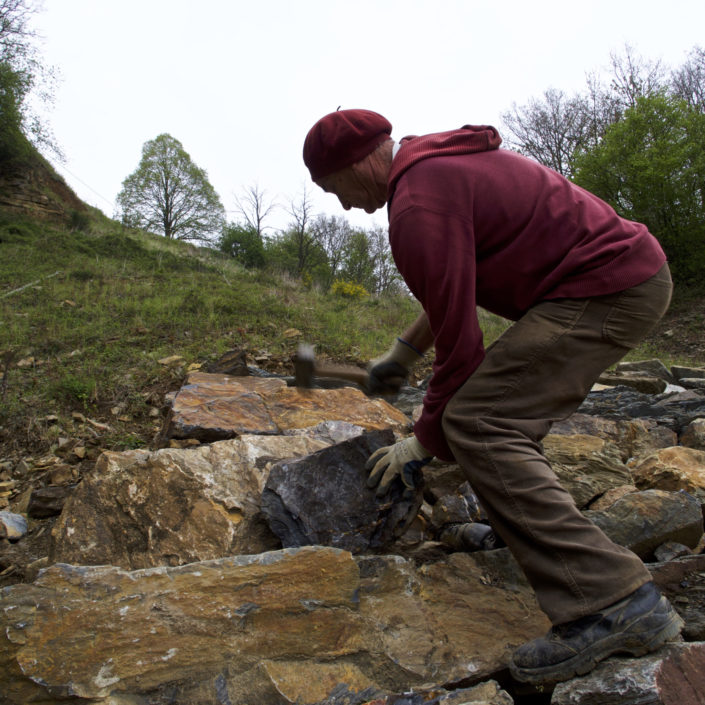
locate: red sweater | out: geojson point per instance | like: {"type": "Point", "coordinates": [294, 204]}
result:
{"type": "Point", "coordinates": [472, 225]}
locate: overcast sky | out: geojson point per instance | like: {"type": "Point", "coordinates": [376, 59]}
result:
{"type": "Point", "coordinates": [239, 83]}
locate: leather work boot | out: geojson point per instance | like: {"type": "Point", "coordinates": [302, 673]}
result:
{"type": "Point", "coordinates": [637, 624]}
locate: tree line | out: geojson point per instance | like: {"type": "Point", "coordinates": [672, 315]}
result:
{"type": "Point", "coordinates": [169, 194]}
{"type": "Point", "coordinates": [635, 137]}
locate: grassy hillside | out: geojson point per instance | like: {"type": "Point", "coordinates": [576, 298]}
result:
{"type": "Point", "coordinates": [88, 316]}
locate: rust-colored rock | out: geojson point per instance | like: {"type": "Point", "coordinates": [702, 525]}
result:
{"type": "Point", "coordinates": [139, 509]}
{"type": "Point", "coordinates": [267, 629]}
{"type": "Point", "coordinates": [672, 469]}
{"type": "Point", "coordinates": [586, 466]}
{"type": "Point", "coordinates": [215, 407]}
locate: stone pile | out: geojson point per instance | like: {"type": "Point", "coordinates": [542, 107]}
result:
{"type": "Point", "coordinates": [246, 561]}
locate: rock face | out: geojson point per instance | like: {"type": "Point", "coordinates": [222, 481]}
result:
{"type": "Point", "coordinates": [167, 581]}
{"type": "Point", "coordinates": [37, 191]}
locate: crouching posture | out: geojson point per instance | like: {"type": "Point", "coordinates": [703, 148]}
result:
{"type": "Point", "coordinates": [474, 225]}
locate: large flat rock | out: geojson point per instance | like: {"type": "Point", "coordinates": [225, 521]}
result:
{"type": "Point", "coordinates": [212, 407]}
{"type": "Point", "coordinates": [280, 627]}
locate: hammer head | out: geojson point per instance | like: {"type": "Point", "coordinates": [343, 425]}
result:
{"type": "Point", "coordinates": [304, 362]}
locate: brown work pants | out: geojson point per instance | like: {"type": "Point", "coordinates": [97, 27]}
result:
{"type": "Point", "coordinates": [539, 371]}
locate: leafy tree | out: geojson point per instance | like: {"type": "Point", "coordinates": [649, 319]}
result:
{"type": "Point", "coordinates": [168, 193]}
{"type": "Point", "coordinates": [387, 279]}
{"type": "Point", "coordinates": [651, 167]}
{"type": "Point", "coordinates": [243, 243]}
{"type": "Point", "coordinates": [333, 234]}
{"type": "Point", "coordinates": [283, 253]}
{"type": "Point", "coordinates": [555, 128]}
{"type": "Point", "coordinates": [21, 73]}
{"type": "Point", "coordinates": [358, 264]}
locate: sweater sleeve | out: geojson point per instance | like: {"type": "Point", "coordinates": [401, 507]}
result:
{"type": "Point", "coordinates": [435, 253]}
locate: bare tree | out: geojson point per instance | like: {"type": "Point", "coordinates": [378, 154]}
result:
{"type": "Point", "coordinates": [549, 129]}
{"type": "Point", "coordinates": [254, 207]}
{"type": "Point", "coordinates": [634, 77]}
{"type": "Point", "coordinates": [688, 82]}
{"type": "Point", "coordinates": [302, 213]}
{"type": "Point", "coordinates": [15, 35]}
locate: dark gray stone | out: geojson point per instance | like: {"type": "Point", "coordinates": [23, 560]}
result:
{"type": "Point", "coordinates": [48, 501]}
{"type": "Point", "coordinates": [643, 521]}
{"type": "Point", "coordinates": [323, 499]}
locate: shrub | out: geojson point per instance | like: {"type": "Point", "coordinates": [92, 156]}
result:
{"type": "Point", "coordinates": [349, 290]}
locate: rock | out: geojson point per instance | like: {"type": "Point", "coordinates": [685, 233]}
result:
{"type": "Point", "coordinates": [671, 550]}
{"type": "Point", "coordinates": [673, 674]}
{"type": "Point", "coordinates": [673, 410]}
{"type": "Point", "coordinates": [611, 496]}
{"type": "Point", "coordinates": [642, 521]}
{"type": "Point", "coordinates": [280, 627]}
{"type": "Point", "coordinates": [680, 372]}
{"type": "Point", "coordinates": [586, 466]}
{"type": "Point", "coordinates": [48, 501]}
{"type": "Point", "coordinates": [633, 436]}
{"type": "Point", "coordinates": [647, 384]}
{"type": "Point", "coordinates": [672, 469]}
{"type": "Point", "coordinates": [460, 507]}
{"type": "Point", "coordinates": [487, 693]}
{"type": "Point", "coordinates": [694, 434]}
{"type": "Point", "coordinates": [323, 499]}
{"type": "Point", "coordinates": [441, 479]}
{"type": "Point", "coordinates": [12, 526]}
{"type": "Point", "coordinates": [682, 580]}
{"type": "Point", "coordinates": [655, 368]}
{"type": "Point", "coordinates": [693, 382]}
{"type": "Point", "coordinates": [215, 407]}
{"type": "Point", "coordinates": [139, 509]}
{"type": "Point", "coordinates": [233, 362]}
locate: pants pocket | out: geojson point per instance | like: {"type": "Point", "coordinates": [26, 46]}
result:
{"type": "Point", "coordinates": [636, 311]}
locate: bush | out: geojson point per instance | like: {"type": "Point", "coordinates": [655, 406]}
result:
{"type": "Point", "coordinates": [349, 290]}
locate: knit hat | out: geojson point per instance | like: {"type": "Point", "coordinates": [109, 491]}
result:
{"type": "Point", "coordinates": [342, 138]}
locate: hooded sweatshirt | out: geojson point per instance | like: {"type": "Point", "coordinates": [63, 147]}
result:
{"type": "Point", "coordinates": [472, 225]}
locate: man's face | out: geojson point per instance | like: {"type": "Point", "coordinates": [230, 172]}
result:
{"type": "Point", "coordinates": [355, 189]}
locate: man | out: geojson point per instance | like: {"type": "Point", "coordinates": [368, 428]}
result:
{"type": "Point", "coordinates": [473, 225]}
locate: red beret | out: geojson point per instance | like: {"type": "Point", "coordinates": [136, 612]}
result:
{"type": "Point", "coordinates": [342, 138]}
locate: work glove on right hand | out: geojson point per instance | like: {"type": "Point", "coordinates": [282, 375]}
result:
{"type": "Point", "coordinates": [386, 374]}
{"type": "Point", "coordinates": [405, 458]}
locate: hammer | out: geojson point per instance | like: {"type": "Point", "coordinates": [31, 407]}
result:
{"type": "Point", "coordinates": [306, 369]}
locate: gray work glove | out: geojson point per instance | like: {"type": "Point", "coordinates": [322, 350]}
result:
{"type": "Point", "coordinates": [405, 458]}
{"type": "Point", "coordinates": [386, 374]}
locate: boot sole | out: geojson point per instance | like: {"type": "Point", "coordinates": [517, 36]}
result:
{"type": "Point", "coordinates": [638, 644]}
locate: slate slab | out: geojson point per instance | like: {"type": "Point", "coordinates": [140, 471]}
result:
{"type": "Point", "coordinates": [323, 499]}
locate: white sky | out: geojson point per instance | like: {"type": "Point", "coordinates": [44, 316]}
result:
{"type": "Point", "coordinates": [239, 83]}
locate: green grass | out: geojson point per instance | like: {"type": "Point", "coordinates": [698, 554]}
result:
{"type": "Point", "coordinates": [86, 313]}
